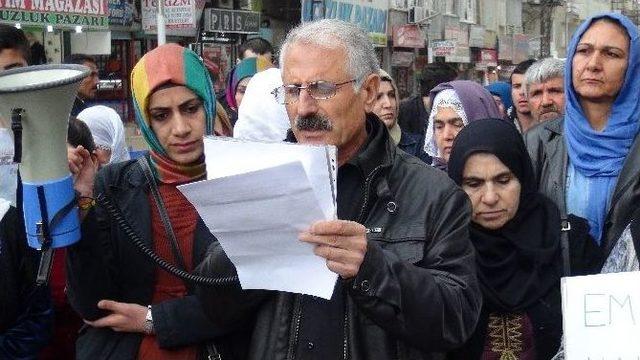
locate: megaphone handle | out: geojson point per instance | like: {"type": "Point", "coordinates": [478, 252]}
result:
{"type": "Point", "coordinates": [44, 270]}
{"type": "Point", "coordinates": [16, 127]}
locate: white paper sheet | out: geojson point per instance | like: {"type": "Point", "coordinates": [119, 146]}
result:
{"type": "Point", "coordinates": [601, 316]}
{"type": "Point", "coordinates": [228, 156]}
{"type": "Point", "coordinates": [257, 217]}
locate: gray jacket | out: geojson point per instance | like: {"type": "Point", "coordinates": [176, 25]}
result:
{"type": "Point", "coordinates": [548, 152]}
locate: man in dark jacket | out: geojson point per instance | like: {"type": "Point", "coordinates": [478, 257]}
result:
{"type": "Point", "coordinates": [88, 86]}
{"type": "Point", "coordinates": [414, 111]}
{"type": "Point", "coordinates": [26, 316]}
{"type": "Point", "coordinates": [407, 286]}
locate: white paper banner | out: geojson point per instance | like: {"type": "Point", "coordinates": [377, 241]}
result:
{"type": "Point", "coordinates": [601, 316]}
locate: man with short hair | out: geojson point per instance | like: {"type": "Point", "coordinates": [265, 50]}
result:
{"type": "Point", "coordinates": [254, 47]}
{"type": "Point", "coordinates": [414, 111]}
{"type": "Point", "coordinates": [88, 86]}
{"type": "Point", "coordinates": [401, 246]}
{"type": "Point", "coordinates": [26, 319]}
{"type": "Point", "coordinates": [14, 53]}
{"type": "Point", "coordinates": [544, 88]}
{"type": "Point", "coordinates": [14, 48]}
{"type": "Point", "coordinates": [520, 114]}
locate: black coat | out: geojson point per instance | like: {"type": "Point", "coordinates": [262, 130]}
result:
{"type": "Point", "coordinates": [26, 316]}
{"type": "Point", "coordinates": [416, 294]}
{"type": "Point", "coordinates": [413, 144]}
{"type": "Point", "coordinates": [105, 264]}
{"type": "Point", "coordinates": [548, 151]}
{"type": "Point", "coordinates": [413, 116]}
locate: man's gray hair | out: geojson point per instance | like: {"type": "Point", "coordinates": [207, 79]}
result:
{"type": "Point", "coordinates": [541, 71]}
{"type": "Point", "coordinates": [334, 34]}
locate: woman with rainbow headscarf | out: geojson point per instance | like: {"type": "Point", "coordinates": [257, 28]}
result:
{"type": "Point", "coordinates": [239, 79]}
{"type": "Point", "coordinates": [134, 309]}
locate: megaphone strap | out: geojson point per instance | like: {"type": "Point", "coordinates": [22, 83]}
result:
{"type": "Point", "coordinates": [16, 127]}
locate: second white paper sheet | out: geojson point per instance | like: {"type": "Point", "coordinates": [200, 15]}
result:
{"type": "Point", "coordinates": [257, 217]}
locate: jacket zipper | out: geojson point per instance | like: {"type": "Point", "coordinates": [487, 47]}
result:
{"type": "Point", "coordinates": [296, 330]}
{"type": "Point", "coordinates": [345, 335]}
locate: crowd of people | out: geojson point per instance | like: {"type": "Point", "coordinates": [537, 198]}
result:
{"type": "Point", "coordinates": [459, 209]}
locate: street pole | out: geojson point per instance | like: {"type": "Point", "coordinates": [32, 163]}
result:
{"type": "Point", "coordinates": [546, 8]}
{"type": "Point", "coordinates": [160, 24]}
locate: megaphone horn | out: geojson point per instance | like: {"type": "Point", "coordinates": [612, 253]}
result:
{"type": "Point", "coordinates": [38, 100]}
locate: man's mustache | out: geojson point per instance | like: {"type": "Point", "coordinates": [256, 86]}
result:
{"type": "Point", "coordinates": [549, 109]}
{"type": "Point", "coordinates": [313, 123]}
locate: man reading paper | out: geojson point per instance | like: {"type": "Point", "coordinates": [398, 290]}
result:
{"type": "Point", "coordinates": [401, 245]}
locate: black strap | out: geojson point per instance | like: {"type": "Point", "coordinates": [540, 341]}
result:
{"type": "Point", "coordinates": [175, 249]}
{"type": "Point", "coordinates": [16, 127]}
{"type": "Point", "coordinates": [565, 227]}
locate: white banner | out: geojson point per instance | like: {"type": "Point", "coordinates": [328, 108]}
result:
{"type": "Point", "coordinates": [601, 316]}
{"type": "Point", "coordinates": [179, 14]}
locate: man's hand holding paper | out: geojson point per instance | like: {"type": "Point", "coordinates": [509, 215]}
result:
{"type": "Point", "coordinates": [342, 243]}
{"type": "Point", "coordinates": [260, 198]}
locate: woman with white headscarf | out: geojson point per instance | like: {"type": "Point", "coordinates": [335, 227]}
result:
{"type": "Point", "coordinates": [455, 104]}
{"type": "Point", "coordinates": [108, 133]}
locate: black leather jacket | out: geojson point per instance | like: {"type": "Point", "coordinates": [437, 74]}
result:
{"type": "Point", "coordinates": [105, 264]}
{"type": "Point", "coordinates": [548, 152]}
{"type": "Point", "coordinates": [26, 316]}
{"type": "Point", "coordinates": [416, 294]}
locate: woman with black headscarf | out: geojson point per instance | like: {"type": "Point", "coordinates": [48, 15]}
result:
{"type": "Point", "coordinates": [516, 233]}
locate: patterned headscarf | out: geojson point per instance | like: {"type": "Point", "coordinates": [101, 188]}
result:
{"type": "Point", "coordinates": [171, 64]}
{"type": "Point", "coordinates": [470, 101]}
{"type": "Point", "coordinates": [246, 68]}
{"type": "Point", "coordinates": [444, 99]}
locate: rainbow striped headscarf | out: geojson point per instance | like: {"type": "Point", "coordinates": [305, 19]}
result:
{"type": "Point", "coordinates": [171, 64]}
{"type": "Point", "coordinates": [246, 68]}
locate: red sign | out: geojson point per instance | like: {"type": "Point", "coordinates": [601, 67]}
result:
{"type": "Point", "coordinates": [409, 36]}
{"type": "Point", "coordinates": [488, 57]}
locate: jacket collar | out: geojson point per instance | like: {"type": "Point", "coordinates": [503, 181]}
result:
{"type": "Point", "coordinates": [555, 126]}
{"type": "Point", "coordinates": [378, 149]}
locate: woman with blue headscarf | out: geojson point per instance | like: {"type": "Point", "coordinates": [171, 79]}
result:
{"type": "Point", "coordinates": [589, 161]}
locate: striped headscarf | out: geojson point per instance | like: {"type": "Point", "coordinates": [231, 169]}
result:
{"type": "Point", "coordinates": [246, 68]}
{"type": "Point", "coordinates": [171, 64]}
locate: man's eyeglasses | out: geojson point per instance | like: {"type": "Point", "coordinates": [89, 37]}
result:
{"type": "Point", "coordinates": [319, 90]}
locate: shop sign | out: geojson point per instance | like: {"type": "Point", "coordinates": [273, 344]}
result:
{"type": "Point", "coordinates": [408, 36]}
{"type": "Point", "coordinates": [476, 36]}
{"type": "Point", "coordinates": [460, 55]}
{"type": "Point", "coordinates": [488, 57]}
{"type": "Point", "coordinates": [120, 13]}
{"type": "Point", "coordinates": [520, 48]}
{"type": "Point", "coordinates": [371, 16]}
{"type": "Point", "coordinates": [505, 45]}
{"type": "Point", "coordinates": [232, 21]}
{"type": "Point", "coordinates": [178, 14]}
{"type": "Point", "coordinates": [443, 47]}
{"type": "Point", "coordinates": [90, 14]}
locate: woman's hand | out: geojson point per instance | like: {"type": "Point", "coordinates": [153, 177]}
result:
{"type": "Point", "coordinates": [83, 168]}
{"type": "Point", "coordinates": [124, 317]}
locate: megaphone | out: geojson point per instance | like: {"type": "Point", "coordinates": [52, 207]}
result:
{"type": "Point", "coordinates": [37, 101]}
